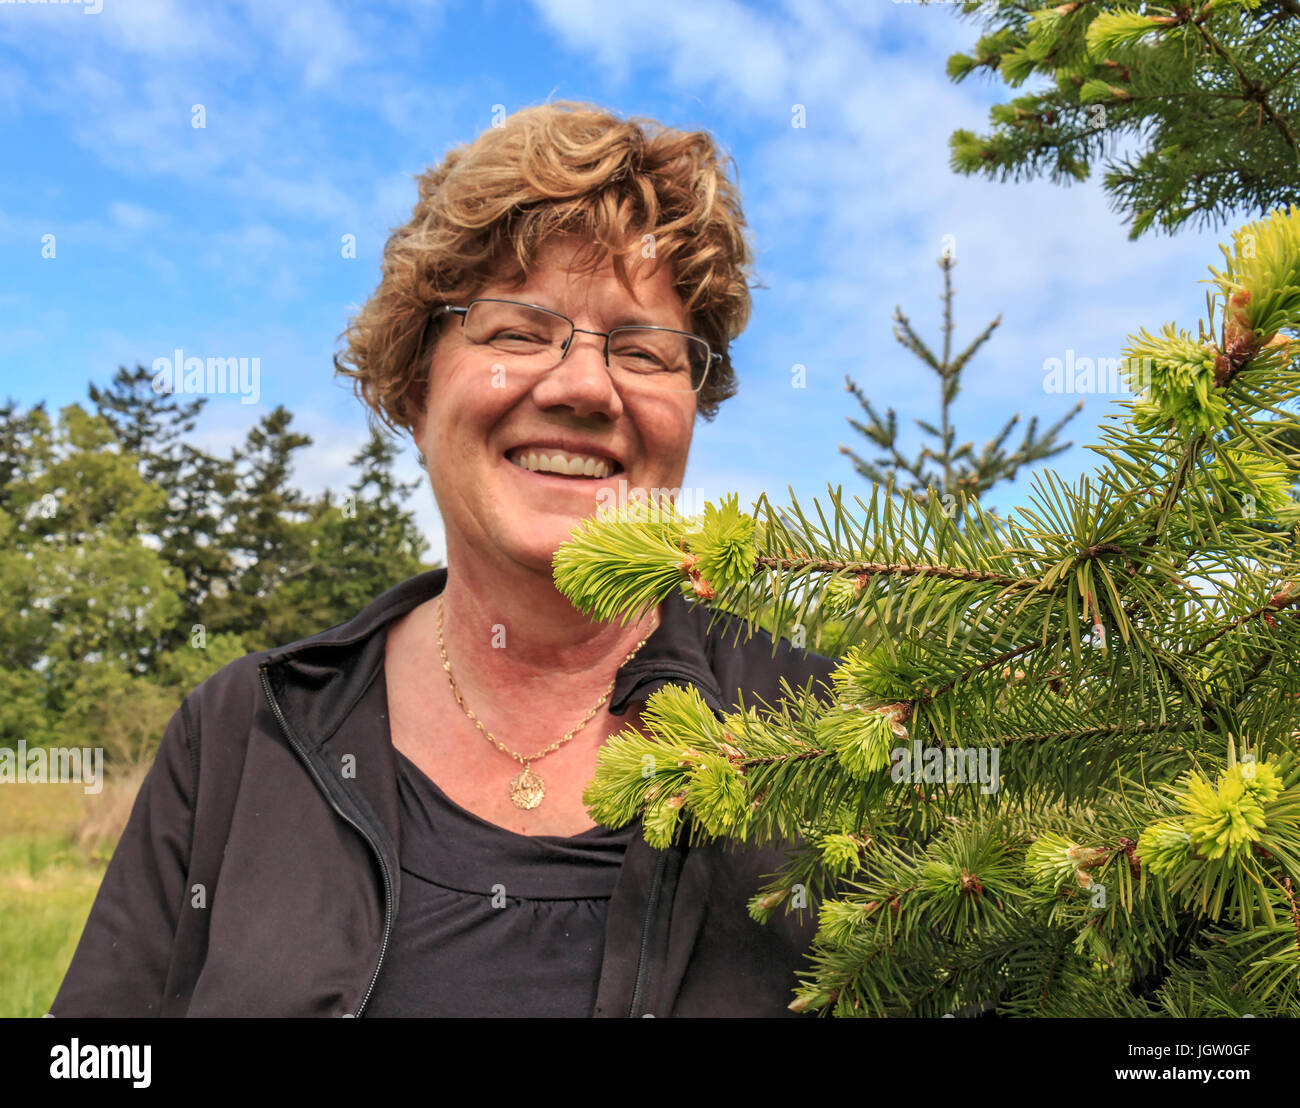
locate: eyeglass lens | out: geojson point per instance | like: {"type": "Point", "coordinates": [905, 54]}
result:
{"type": "Point", "coordinates": [533, 338]}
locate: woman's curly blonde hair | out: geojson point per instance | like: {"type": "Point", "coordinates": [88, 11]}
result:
{"type": "Point", "coordinates": [558, 168]}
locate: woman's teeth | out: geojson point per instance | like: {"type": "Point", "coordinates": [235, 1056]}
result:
{"type": "Point", "coordinates": [566, 465]}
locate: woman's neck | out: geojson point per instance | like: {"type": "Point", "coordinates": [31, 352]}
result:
{"type": "Point", "coordinates": [514, 632]}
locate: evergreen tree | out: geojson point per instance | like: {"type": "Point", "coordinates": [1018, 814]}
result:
{"type": "Point", "coordinates": [16, 431]}
{"type": "Point", "coordinates": [944, 465]}
{"type": "Point", "coordinates": [1208, 93]}
{"type": "Point", "coordinates": [151, 426]}
{"type": "Point", "coordinates": [264, 524]}
{"type": "Point", "coordinates": [358, 547]}
{"type": "Point", "coordinates": [1065, 780]}
{"type": "Point", "coordinates": [145, 422]}
{"type": "Point", "coordinates": [197, 539]}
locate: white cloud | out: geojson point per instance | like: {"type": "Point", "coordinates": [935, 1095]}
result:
{"type": "Point", "coordinates": [719, 41]}
{"type": "Point", "coordinates": [314, 37]}
{"type": "Point", "coordinates": [158, 28]}
{"type": "Point", "coordinates": [133, 217]}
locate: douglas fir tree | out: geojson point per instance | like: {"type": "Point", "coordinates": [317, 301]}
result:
{"type": "Point", "coordinates": [942, 463]}
{"type": "Point", "coordinates": [1059, 774]}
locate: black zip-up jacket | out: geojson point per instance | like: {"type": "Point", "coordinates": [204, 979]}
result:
{"type": "Point", "coordinates": [258, 874]}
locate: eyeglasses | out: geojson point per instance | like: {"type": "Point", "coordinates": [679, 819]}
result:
{"type": "Point", "coordinates": [527, 337]}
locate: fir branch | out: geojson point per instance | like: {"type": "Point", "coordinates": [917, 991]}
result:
{"type": "Point", "coordinates": [1100, 731]}
{"type": "Point", "coordinates": [866, 570]}
{"type": "Point", "coordinates": [1099, 548]}
{"type": "Point", "coordinates": [773, 759]}
{"type": "Point", "coordinates": [1121, 744]}
{"type": "Point", "coordinates": [991, 663]}
{"type": "Point", "coordinates": [1295, 909]}
{"type": "Point", "coordinates": [1281, 599]}
{"type": "Point", "coordinates": [1249, 84]}
{"type": "Point", "coordinates": [1174, 489]}
{"type": "Point", "coordinates": [1178, 78]}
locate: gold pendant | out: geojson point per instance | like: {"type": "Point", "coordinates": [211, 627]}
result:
{"type": "Point", "coordinates": [527, 789]}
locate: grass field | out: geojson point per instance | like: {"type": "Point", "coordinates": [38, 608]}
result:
{"type": "Point", "coordinates": [54, 847]}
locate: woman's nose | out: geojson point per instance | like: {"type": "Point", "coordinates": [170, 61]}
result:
{"type": "Point", "coordinates": [582, 380]}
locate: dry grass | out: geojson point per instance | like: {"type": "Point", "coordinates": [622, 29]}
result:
{"type": "Point", "coordinates": [55, 841]}
{"type": "Point", "coordinates": [103, 822]}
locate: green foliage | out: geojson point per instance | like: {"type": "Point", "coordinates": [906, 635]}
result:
{"type": "Point", "coordinates": [1103, 689]}
{"type": "Point", "coordinates": [186, 667]}
{"type": "Point", "coordinates": [1245, 474]}
{"type": "Point", "coordinates": [725, 548]}
{"type": "Point", "coordinates": [133, 565]}
{"type": "Point", "coordinates": [641, 546]}
{"type": "Point", "coordinates": [860, 737]}
{"type": "Point", "coordinates": [1205, 98]}
{"type": "Point", "coordinates": [1261, 275]}
{"type": "Point", "coordinates": [349, 549]}
{"type": "Point", "coordinates": [1179, 386]}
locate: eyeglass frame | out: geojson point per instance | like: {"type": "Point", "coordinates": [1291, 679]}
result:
{"type": "Point", "coordinates": [715, 358]}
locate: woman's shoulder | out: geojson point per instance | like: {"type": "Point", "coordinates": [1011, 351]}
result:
{"type": "Point", "coordinates": [233, 687]}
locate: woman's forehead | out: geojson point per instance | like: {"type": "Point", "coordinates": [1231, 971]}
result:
{"type": "Point", "coordinates": [564, 278]}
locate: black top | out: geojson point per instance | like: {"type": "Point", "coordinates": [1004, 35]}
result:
{"type": "Point", "coordinates": [491, 923]}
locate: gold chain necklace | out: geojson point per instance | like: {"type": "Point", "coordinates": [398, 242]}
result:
{"type": "Point", "coordinates": [527, 788]}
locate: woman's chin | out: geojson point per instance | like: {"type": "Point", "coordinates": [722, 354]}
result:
{"type": "Point", "coordinates": [535, 545]}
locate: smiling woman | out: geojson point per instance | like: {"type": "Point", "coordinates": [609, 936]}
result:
{"type": "Point", "coordinates": [493, 402]}
{"type": "Point", "coordinates": [386, 818]}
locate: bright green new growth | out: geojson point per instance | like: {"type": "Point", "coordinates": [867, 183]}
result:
{"type": "Point", "coordinates": [1222, 822]}
{"type": "Point", "coordinates": [717, 552]}
{"type": "Point", "coordinates": [1050, 860]}
{"type": "Point", "coordinates": [1179, 386]}
{"type": "Point", "coordinates": [859, 737]}
{"type": "Point", "coordinates": [725, 546]}
{"type": "Point", "coordinates": [1264, 265]}
{"type": "Point", "coordinates": [640, 550]}
{"type": "Point", "coordinates": [1245, 474]}
{"type": "Point", "coordinates": [1115, 642]}
{"type": "Point", "coordinates": [1227, 820]}
{"type": "Point", "coordinates": [1165, 847]}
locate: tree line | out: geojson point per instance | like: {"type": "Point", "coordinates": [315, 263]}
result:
{"type": "Point", "coordinates": [133, 563]}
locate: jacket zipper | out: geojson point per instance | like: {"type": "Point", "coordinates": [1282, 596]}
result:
{"type": "Point", "coordinates": [642, 966]}
{"type": "Point", "coordinates": [301, 751]}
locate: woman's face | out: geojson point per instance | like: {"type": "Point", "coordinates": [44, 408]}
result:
{"type": "Point", "coordinates": [478, 420]}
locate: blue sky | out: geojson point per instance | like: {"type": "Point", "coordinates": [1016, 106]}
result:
{"type": "Point", "coordinates": [226, 239]}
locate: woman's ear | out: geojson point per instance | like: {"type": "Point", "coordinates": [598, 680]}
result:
{"type": "Point", "coordinates": [417, 436]}
{"type": "Point", "coordinates": [418, 419]}
{"type": "Point", "coordinates": [417, 401]}
{"type": "Point", "coordinates": [416, 405]}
